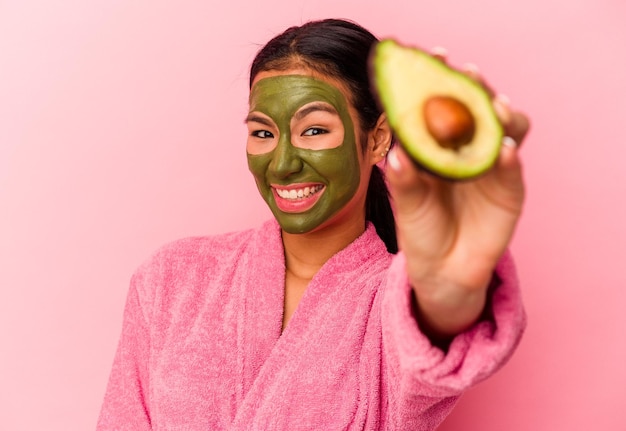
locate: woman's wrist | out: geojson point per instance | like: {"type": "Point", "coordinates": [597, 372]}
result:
{"type": "Point", "coordinates": [444, 309]}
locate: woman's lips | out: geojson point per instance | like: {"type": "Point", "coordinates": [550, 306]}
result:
{"type": "Point", "coordinates": [296, 198]}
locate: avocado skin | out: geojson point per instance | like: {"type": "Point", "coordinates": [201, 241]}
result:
{"type": "Point", "coordinates": [377, 91]}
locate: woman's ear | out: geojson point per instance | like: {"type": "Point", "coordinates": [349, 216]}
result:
{"type": "Point", "coordinates": [379, 139]}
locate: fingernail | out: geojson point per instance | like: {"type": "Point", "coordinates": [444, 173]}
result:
{"type": "Point", "coordinates": [502, 109]}
{"type": "Point", "coordinates": [471, 68]}
{"type": "Point", "coordinates": [439, 51]}
{"type": "Point", "coordinates": [509, 142]}
{"type": "Point", "coordinates": [503, 99]}
{"type": "Point", "coordinates": [392, 159]}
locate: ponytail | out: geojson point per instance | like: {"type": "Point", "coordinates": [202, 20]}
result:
{"type": "Point", "coordinates": [378, 210]}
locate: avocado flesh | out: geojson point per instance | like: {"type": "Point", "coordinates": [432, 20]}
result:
{"type": "Point", "coordinates": [404, 79]}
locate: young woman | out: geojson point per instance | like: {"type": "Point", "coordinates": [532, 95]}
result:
{"type": "Point", "coordinates": [315, 320]}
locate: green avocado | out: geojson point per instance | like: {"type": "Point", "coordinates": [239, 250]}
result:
{"type": "Point", "coordinates": [444, 119]}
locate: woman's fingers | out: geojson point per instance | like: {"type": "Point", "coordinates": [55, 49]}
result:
{"type": "Point", "coordinates": [508, 164]}
{"type": "Point", "coordinates": [515, 123]}
{"type": "Point", "coordinates": [502, 106]}
{"type": "Point", "coordinates": [518, 127]}
{"type": "Point", "coordinates": [408, 186]}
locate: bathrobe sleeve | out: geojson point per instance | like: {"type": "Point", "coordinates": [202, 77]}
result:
{"type": "Point", "coordinates": [126, 400]}
{"type": "Point", "coordinates": [421, 376]}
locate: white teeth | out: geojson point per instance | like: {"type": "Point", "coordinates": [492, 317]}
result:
{"type": "Point", "coordinates": [298, 193]}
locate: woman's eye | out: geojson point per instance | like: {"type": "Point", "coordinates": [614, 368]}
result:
{"type": "Point", "coordinates": [263, 134]}
{"type": "Point", "coordinates": [314, 131]}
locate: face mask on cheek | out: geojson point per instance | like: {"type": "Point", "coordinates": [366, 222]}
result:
{"type": "Point", "coordinates": [333, 174]}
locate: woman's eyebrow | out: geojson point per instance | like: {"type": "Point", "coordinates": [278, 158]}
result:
{"type": "Point", "coordinates": [314, 107]}
{"type": "Point", "coordinates": [257, 119]}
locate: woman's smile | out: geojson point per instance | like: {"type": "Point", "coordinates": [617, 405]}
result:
{"type": "Point", "coordinates": [295, 198]}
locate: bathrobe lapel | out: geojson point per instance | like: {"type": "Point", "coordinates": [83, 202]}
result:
{"type": "Point", "coordinates": [260, 281]}
{"type": "Point", "coordinates": [318, 358]}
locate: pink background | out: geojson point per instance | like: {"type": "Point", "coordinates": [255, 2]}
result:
{"type": "Point", "coordinates": [121, 129]}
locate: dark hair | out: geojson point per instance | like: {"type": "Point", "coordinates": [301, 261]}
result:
{"type": "Point", "coordinates": [337, 48]}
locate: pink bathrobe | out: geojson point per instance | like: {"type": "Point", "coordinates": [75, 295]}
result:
{"type": "Point", "coordinates": [202, 349]}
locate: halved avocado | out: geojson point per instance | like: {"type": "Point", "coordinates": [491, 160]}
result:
{"type": "Point", "coordinates": [443, 118]}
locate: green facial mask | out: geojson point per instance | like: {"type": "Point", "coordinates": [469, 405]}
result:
{"type": "Point", "coordinates": [337, 169]}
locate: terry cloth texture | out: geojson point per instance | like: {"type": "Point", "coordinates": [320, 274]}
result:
{"type": "Point", "coordinates": [201, 345]}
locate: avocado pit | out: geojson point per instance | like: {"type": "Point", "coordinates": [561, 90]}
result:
{"type": "Point", "coordinates": [449, 121]}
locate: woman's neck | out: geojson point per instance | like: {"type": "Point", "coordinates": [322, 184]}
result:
{"type": "Point", "coordinates": [306, 253]}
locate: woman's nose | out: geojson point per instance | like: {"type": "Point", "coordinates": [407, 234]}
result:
{"type": "Point", "coordinates": [285, 160]}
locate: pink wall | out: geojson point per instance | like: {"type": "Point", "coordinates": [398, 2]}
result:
{"type": "Point", "coordinates": [121, 128]}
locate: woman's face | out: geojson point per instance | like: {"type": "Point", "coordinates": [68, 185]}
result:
{"type": "Point", "coordinates": [303, 152]}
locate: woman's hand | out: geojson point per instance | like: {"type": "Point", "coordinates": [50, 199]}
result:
{"type": "Point", "coordinates": [453, 233]}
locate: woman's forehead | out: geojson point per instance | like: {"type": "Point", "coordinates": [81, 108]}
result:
{"type": "Point", "coordinates": [287, 93]}
{"type": "Point", "coordinates": [305, 72]}
{"type": "Point", "coordinates": [296, 70]}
